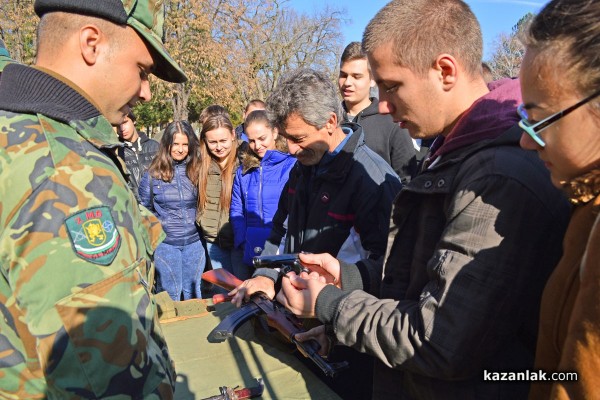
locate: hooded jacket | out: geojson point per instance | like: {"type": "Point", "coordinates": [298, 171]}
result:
{"type": "Point", "coordinates": [479, 232]}
{"type": "Point", "coordinates": [385, 138]}
{"type": "Point", "coordinates": [257, 187]}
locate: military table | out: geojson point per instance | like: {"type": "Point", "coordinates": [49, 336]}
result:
{"type": "Point", "coordinates": [203, 367]}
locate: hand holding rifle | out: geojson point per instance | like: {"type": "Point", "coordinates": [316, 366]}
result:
{"type": "Point", "coordinates": [277, 317]}
{"type": "Point", "coordinates": [322, 267]}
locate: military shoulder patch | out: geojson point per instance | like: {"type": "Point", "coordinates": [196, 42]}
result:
{"type": "Point", "coordinates": [94, 235]}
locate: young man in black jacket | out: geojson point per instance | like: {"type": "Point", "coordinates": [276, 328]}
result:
{"type": "Point", "coordinates": [137, 152]}
{"type": "Point", "coordinates": [382, 135]}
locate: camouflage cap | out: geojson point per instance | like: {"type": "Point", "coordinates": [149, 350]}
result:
{"type": "Point", "coordinates": [145, 16]}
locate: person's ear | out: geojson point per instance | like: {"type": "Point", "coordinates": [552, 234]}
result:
{"type": "Point", "coordinates": [275, 133]}
{"type": "Point", "coordinates": [332, 123]}
{"type": "Point", "coordinates": [446, 68]}
{"type": "Point", "coordinates": [90, 43]}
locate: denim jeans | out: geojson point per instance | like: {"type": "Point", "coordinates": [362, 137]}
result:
{"type": "Point", "coordinates": [178, 269]}
{"type": "Point", "coordinates": [230, 259]}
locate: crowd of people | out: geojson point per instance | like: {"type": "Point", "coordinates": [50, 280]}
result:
{"type": "Point", "coordinates": [478, 259]}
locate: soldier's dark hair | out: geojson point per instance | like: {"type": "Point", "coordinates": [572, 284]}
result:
{"type": "Point", "coordinates": [55, 26]}
{"type": "Point", "coordinates": [162, 164]}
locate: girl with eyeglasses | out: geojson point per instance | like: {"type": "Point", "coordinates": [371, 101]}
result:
{"type": "Point", "coordinates": [170, 190]}
{"type": "Point", "coordinates": [560, 116]}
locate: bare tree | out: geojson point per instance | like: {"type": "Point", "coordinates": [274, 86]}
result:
{"type": "Point", "coordinates": [509, 51]}
{"type": "Point", "coordinates": [266, 38]}
{"type": "Point", "coordinates": [189, 40]}
{"type": "Point", "coordinates": [231, 50]}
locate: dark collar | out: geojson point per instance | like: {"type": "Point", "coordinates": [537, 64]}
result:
{"type": "Point", "coordinates": [28, 90]}
{"type": "Point", "coordinates": [340, 165]}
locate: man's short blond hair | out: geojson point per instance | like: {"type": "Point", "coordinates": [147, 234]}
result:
{"type": "Point", "coordinates": [421, 30]}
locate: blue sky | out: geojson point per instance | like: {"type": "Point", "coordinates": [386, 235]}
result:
{"type": "Point", "coordinates": [495, 16]}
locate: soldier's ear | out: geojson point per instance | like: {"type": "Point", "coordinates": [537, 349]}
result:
{"type": "Point", "coordinates": [91, 42]}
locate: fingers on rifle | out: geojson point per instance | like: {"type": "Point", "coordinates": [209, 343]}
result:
{"type": "Point", "coordinates": [309, 258]}
{"type": "Point", "coordinates": [299, 283]}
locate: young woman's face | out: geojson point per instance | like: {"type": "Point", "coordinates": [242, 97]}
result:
{"type": "Point", "coordinates": [179, 147]}
{"type": "Point", "coordinates": [573, 142]}
{"type": "Point", "coordinates": [261, 138]}
{"type": "Point", "coordinates": [219, 142]}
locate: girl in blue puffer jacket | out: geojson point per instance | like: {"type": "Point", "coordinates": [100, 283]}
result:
{"type": "Point", "coordinates": [257, 186]}
{"type": "Point", "coordinates": [170, 190]}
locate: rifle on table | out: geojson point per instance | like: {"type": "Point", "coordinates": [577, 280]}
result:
{"type": "Point", "coordinates": [228, 393]}
{"type": "Point", "coordinates": [278, 318]}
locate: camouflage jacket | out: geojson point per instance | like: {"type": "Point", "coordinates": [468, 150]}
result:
{"type": "Point", "coordinates": [78, 319]}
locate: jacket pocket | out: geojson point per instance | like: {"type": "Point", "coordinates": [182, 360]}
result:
{"type": "Point", "coordinates": [110, 332]}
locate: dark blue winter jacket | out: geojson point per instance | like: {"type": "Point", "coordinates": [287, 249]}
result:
{"type": "Point", "coordinates": [256, 190]}
{"type": "Point", "coordinates": [174, 203]}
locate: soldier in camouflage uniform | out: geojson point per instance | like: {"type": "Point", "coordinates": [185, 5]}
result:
{"type": "Point", "coordinates": [78, 319]}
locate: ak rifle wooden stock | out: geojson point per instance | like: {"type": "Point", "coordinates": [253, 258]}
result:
{"type": "Point", "coordinates": [278, 318]}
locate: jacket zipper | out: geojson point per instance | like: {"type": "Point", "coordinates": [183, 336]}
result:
{"type": "Point", "coordinates": [180, 190]}
{"type": "Point", "coordinates": [260, 189]}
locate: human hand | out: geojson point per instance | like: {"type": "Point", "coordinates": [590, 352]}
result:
{"type": "Point", "coordinates": [325, 265]}
{"type": "Point", "coordinates": [319, 334]}
{"type": "Point", "coordinates": [299, 295]}
{"type": "Point", "coordinates": [251, 286]}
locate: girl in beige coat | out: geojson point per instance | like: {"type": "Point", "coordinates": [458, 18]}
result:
{"type": "Point", "coordinates": [560, 80]}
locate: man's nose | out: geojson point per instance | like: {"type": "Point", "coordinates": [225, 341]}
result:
{"type": "Point", "coordinates": [385, 106]}
{"type": "Point", "coordinates": [145, 93]}
{"type": "Point", "coordinates": [292, 147]}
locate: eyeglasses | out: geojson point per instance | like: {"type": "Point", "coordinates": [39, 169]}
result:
{"type": "Point", "coordinates": [533, 129]}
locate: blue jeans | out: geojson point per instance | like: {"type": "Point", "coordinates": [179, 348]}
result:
{"type": "Point", "coordinates": [178, 270]}
{"type": "Point", "coordinates": [230, 259]}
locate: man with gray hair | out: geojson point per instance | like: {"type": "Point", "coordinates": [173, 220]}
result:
{"type": "Point", "coordinates": [338, 198]}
